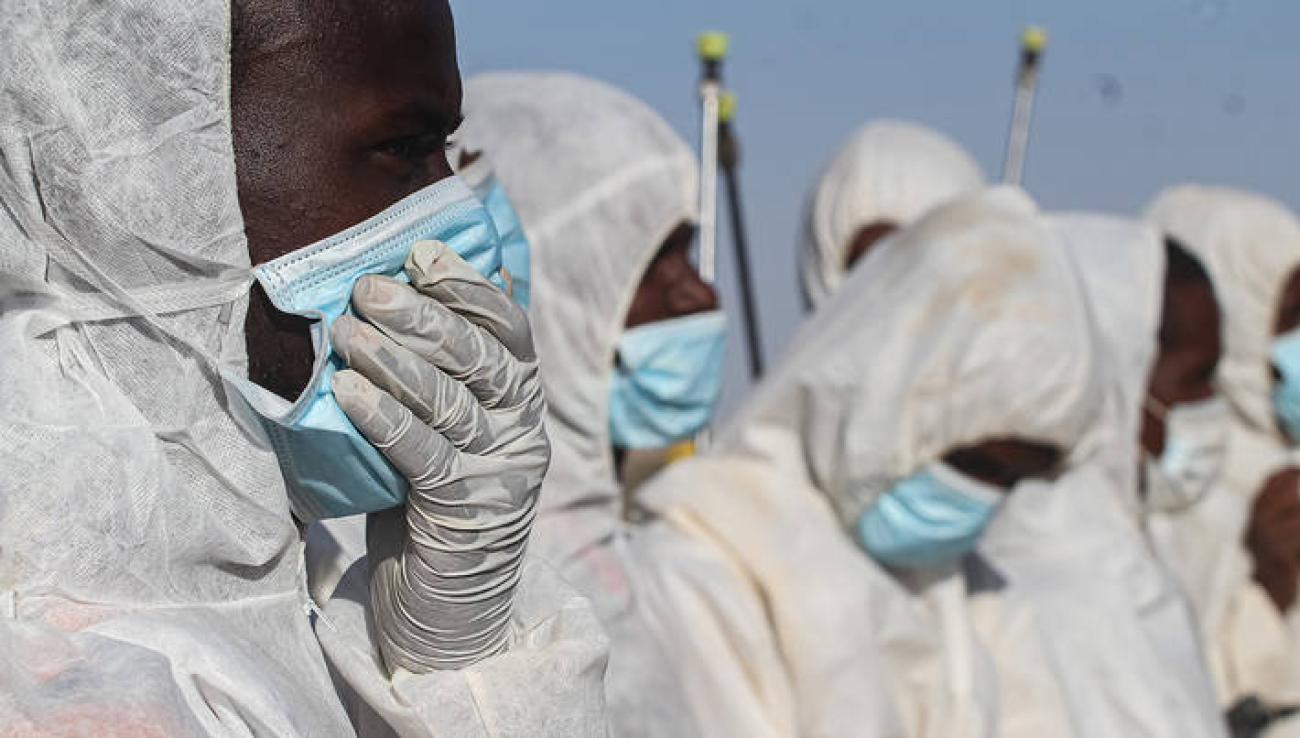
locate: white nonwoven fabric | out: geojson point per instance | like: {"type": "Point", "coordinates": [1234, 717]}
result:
{"type": "Point", "coordinates": [151, 577]}
{"type": "Point", "coordinates": [599, 181]}
{"type": "Point", "coordinates": [888, 171]}
{"type": "Point", "coordinates": [548, 682]}
{"type": "Point", "coordinates": [1250, 245]}
{"type": "Point", "coordinates": [150, 568]}
{"type": "Point", "coordinates": [968, 326]}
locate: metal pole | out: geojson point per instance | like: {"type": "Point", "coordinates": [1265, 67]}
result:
{"type": "Point", "coordinates": [712, 49]}
{"type": "Point", "coordinates": [729, 159]}
{"type": "Point", "coordinates": [1032, 43]}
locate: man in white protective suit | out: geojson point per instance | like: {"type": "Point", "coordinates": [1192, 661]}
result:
{"type": "Point", "coordinates": [629, 337]}
{"type": "Point", "coordinates": [1237, 550]}
{"type": "Point", "coordinates": [884, 177]}
{"type": "Point", "coordinates": [1118, 647]}
{"type": "Point", "coordinates": [153, 448]}
{"type": "Point", "coordinates": [888, 539]}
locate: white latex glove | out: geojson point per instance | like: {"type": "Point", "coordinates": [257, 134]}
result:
{"type": "Point", "coordinates": [444, 381]}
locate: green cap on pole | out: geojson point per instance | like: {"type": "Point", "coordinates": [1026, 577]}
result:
{"type": "Point", "coordinates": [1033, 39]}
{"type": "Point", "coordinates": [726, 107]}
{"type": "Point", "coordinates": [712, 46]}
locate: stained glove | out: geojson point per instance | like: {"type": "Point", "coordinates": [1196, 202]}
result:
{"type": "Point", "coordinates": [443, 379]}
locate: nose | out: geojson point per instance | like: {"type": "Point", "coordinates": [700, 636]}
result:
{"type": "Point", "coordinates": [691, 295]}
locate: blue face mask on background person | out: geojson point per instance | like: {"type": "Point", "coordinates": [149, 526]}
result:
{"type": "Point", "coordinates": [667, 380]}
{"type": "Point", "coordinates": [515, 258]}
{"type": "Point", "coordinates": [933, 517]}
{"type": "Point", "coordinates": [329, 468]}
{"type": "Point", "coordinates": [1286, 390]}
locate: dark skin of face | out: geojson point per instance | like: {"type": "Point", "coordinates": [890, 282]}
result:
{"type": "Point", "coordinates": [340, 108]}
{"type": "Point", "coordinates": [866, 237]}
{"type": "Point", "coordinates": [1273, 537]}
{"type": "Point", "coordinates": [1288, 308]}
{"type": "Point", "coordinates": [1190, 346]}
{"type": "Point", "coordinates": [1005, 462]}
{"type": "Point", "coordinates": [671, 287]}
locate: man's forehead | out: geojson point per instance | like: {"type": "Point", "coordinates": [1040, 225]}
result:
{"type": "Point", "coordinates": [271, 27]}
{"type": "Point", "coordinates": [268, 27]}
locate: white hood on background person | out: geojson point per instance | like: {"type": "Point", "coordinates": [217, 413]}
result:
{"type": "Point", "coordinates": [887, 171]}
{"type": "Point", "coordinates": [1121, 263]}
{"type": "Point", "coordinates": [966, 327]}
{"type": "Point", "coordinates": [599, 181]}
{"type": "Point", "coordinates": [1250, 245]}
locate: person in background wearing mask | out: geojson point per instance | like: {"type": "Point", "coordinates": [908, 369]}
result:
{"type": "Point", "coordinates": [1184, 433]}
{"type": "Point", "coordinates": [630, 339]}
{"type": "Point", "coordinates": [153, 449]}
{"type": "Point", "coordinates": [811, 574]}
{"type": "Point", "coordinates": [1090, 634]}
{"type": "Point", "coordinates": [887, 175]}
{"type": "Point", "coordinates": [1251, 247]}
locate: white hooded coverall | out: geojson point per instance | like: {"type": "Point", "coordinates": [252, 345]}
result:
{"type": "Point", "coordinates": [151, 576]}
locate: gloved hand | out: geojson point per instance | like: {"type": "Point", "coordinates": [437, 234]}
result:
{"type": "Point", "coordinates": [443, 379]}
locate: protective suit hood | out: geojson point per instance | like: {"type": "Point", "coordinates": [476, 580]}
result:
{"type": "Point", "coordinates": [150, 562]}
{"type": "Point", "coordinates": [1250, 245]}
{"type": "Point", "coordinates": [976, 281]}
{"type": "Point", "coordinates": [888, 170]}
{"type": "Point", "coordinates": [1122, 266]}
{"type": "Point", "coordinates": [599, 181]}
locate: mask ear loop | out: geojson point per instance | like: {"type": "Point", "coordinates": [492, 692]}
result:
{"type": "Point", "coordinates": [1146, 507]}
{"type": "Point", "coordinates": [1155, 407]}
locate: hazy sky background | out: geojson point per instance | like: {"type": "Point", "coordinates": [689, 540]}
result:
{"type": "Point", "coordinates": [1135, 94]}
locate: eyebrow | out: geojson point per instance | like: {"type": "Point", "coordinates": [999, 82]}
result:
{"type": "Point", "coordinates": [426, 112]}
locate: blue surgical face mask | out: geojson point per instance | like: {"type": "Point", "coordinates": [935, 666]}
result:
{"type": "Point", "coordinates": [514, 244]}
{"type": "Point", "coordinates": [1286, 390]}
{"type": "Point", "coordinates": [931, 518]}
{"type": "Point", "coordinates": [667, 380]}
{"type": "Point", "coordinates": [329, 467]}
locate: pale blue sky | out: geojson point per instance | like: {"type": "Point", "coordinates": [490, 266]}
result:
{"type": "Point", "coordinates": [1135, 94]}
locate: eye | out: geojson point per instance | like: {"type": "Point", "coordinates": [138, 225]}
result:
{"type": "Point", "coordinates": [414, 149]}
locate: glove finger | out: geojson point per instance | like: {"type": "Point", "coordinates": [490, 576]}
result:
{"type": "Point", "coordinates": [437, 400]}
{"type": "Point", "coordinates": [441, 337]}
{"type": "Point", "coordinates": [423, 456]}
{"type": "Point", "coordinates": [439, 272]}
